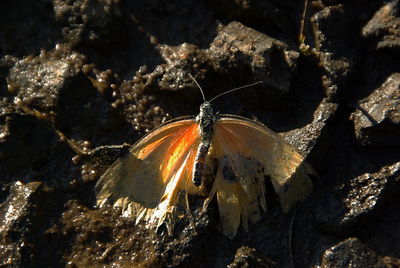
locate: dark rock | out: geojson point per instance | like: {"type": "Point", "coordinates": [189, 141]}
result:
{"type": "Point", "coordinates": [97, 160]}
{"type": "Point", "coordinates": [26, 144]}
{"type": "Point", "coordinates": [274, 16]}
{"type": "Point", "coordinates": [377, 119]}
{"type": "Point", "coordinates": [104, 237]}
{"type": "Point", "coordinates": [365, 196]}
{"type": "Point", "coordinates": [370, 191]}
{"type": "Point", "coordinates": [383, 28]}
{"type": "Point", "coordinates": [90, 23]}
{"type": "Point", "coordinates": [336, 58]}
{"type": "Point", "coordinates": [351, 253]}
{"type": "Point", "coordinates": [6, 63]}
{"type": "Point", "coordinates": [41, 80]}
{"type": "Point", "coordinates": [59, 87]}
{"type": "Point", "coordinates": [172, 23]}
{"type": "Point", "coordinates": [237, 49]}
{"type": "Point", "coordinates": [23, 220]}
{"type": "Point", "coordinates": [306, 137]}
{"type": "Point", "coordinates": [179, 58]}
{"type": "Point", "coordinates": [190, 240]}
{"type": "Point", "coordinates": [249, 257]}
{"type": "Point", "coordinates": [249, 53]}
{"type": "Point", "coordinates": [27, 27]}
{"type": "Point", "coordinates": [139, 106]}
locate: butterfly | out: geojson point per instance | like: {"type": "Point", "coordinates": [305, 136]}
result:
{"type": "Point", "coordinates": [238, 154]}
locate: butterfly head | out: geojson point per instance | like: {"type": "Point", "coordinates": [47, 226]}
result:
{"type": "Point", "coordinates": [206, 113]}
{"type": "Point", "coordinates": [206, 108]}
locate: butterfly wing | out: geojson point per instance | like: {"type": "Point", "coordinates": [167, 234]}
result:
{"type": "Point", "coordinates": [246, 151]}
{"type": "Point", "coordinates": [147, 180]}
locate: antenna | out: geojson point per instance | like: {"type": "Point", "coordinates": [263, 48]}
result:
{"type": "Point", "coordinates": [226, 92]}
{"type": "Point", "coordinates": [201, 90]}
{"type": "Point", "coordinates": [235, 89]}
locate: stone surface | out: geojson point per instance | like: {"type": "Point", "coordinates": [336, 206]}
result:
{"type": "Point", "coordinates": [306, 138]}
{"type": "Point", "coordinates": [335, 57]}
{"type": "Point", "coordinates": [244, 51]}
{"type": "Point", "coordinates": [383, 28]}
{"type": "Point", "coordinates": [351, 253]}
{"type": "Point", "coordinates": [377, 119]}
{"type": "Point", "coordinates": [23, 223]}
{"type": "Point", "coordinates": [360, 200]}
{"type": "Point", "coordinates": [369, 191]}
{"type": "Point", "coordinates": [39, 81]}
{"type": "Point", "coordinates": [249, 257]}
{"type": "Point", "coordinates": [90, 23]}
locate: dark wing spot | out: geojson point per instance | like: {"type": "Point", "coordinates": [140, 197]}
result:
{"type": "Point", "coordinates": [228, 174]}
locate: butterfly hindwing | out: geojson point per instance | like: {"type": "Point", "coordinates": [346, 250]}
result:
{"type": "Point", "coordinates": [247, 151]}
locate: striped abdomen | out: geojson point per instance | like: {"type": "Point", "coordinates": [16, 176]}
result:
{"type": "Point", "coordinates": [199, 162]}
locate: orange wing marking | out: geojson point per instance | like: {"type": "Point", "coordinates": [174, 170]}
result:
{"type": "Point", "coordinates": [146, 182]}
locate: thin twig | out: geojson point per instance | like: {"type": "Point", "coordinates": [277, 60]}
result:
{"type": "Point", "coordinates": [291, 240]}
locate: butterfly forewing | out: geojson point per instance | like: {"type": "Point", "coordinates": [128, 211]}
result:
{"type": "Point", "coordinates": [154, 169]}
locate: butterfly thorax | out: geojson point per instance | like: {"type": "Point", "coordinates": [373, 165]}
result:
{"type": "Point", "coordinates": [205, 119]}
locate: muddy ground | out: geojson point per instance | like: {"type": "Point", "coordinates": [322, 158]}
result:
{"type": "Point", "coordinates": [77, 76]}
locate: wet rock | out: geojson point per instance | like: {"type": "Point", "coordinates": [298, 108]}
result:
{"type": "Point", "coordinates": [178, 59]}
{"type": "Point", "coordinates": [335, 56]}
{"type": "Point", "coordinates": [383, 28]}
{"type": "Point", "coordinates": [249, 257]}
{"type": "Point", "coordinates": [276, 15]}
{"type": "Point", "coordinates": [366, 195]}
{"type": "Point", "coordinates": [377, 119]}
{"type": "Point", "coordinates": [238, 56]}
{"type": "Point", "coordinates": [41, 80]}
{"type": "Point", "coordinates": [111, 33]}
{"type": "Point", "coordinates": [57, 86]}
{"type": "Point", "coordinates": [370, 191]}
{"type": "Point", "coordinates": [139, 106]}
{"type": "Point", "coordinates": [23, 217]}
{"type": "Point", "coordinates": [104, 237]}
{"type": "Point", "coordinates": [94, 162]}
{"type": "Point", "coordinates": [90, 23]}
{"type": "Point", "coordinates": [306, 137]}
{"type": "Point", "coordinates": [189, 243]}
{"type": "Point", "coordinates": [249, 53]}
{"type": "Point", "coordinates": [6, 63]}
{"type": "Point", "coordinates": [243, 53]}
{"type": "Point", "coordinates": [351, 253]}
